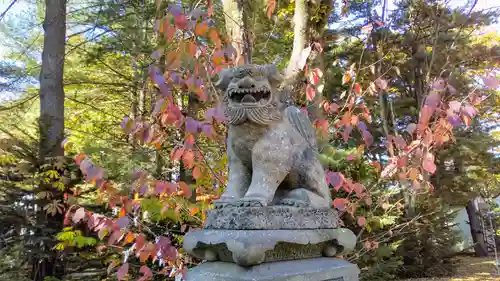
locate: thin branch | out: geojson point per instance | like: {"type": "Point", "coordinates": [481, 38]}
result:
{"type": "Point", "coordinates": [8, 8]}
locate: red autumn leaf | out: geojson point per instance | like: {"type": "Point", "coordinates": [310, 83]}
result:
{"type": "Point", "coordinates": [79, 215]}
{"type": "Point", "coordinates": [315, 75]}
{"type": "Point", "coordinates": [357, 89]}
{"type": "Point", "coordinates": [188, 159]}
{"type": "Point", "coordinates": [322, 126]}
{"type": "Point", "coordinates": [181, 21]}
{"type": "Point", "coordinates": [333, 108]}
{"type": "Point", "coordinates": [358, 188]}
{"type": "Point", "coordinates": [340, 203]}
{"type": "Point", "coordinates": [122, 271]}
{"type": "Point", "coordinates": [310, 92]}
{"type": "Point", "coordinates": [186, 190]}
{"type": "Point", "coordinates": [336, 179]}
{"type": "Point", "coordinates": [347, 132]}
{"type": "Point", "coordinates": [214, 36]}
{"type": "Point", "coordinates": [147, 274]}
{"type": "Point", "coordinates": [140, 241]}
{"type": "Point", "coordinates": [428, 163]}
{"type": "Point", "coordinates": [270, 7]}
{"type": "Point", "coordinates": [177, 153]}
{"type": "Point", "coordinates": [361, 221]}
{"type": "Point", "coordinates": [197, 172]}
{"type": "Point", "coordinates": [115, 237]}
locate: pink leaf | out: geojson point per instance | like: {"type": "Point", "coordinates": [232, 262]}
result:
{"type": "Point", "coordinates": [350, 157]}
{"type": "Point", "coordinates": [361, 220]}
{"type": "Point", "coordinates": [148, 275]}
{"type": "Point", "coordinates": [208, 130]}
{"type": "Point", "coordinates": [339, 203]}
{"type": "Point", "coordinates": [455, 105]}
{"type": "Point", "coordinates": [381, 84]}
{"type": "Point", "coordinates": [367, 138]}
{"type": "Point", "coordinates": [491, 81]}
{"type": "Point", "coordinates": [428, 163]}
{"type": "Point", "coordinates": [347, 132]}
{"type": "Point", "coordinates": [115, 237]}
{"type": "Point", "coordinates": [359, 188]}
{"type": "Point", "coordinates": [470, 110]}
{"type": "Point", "coordinates": [310, 93]}
{"type": "Point", "coordinates": [315, 76]}
{"type": "Point", "coordinates": [79, 215]}
{"type": "Point", "coordinates": [122, 271]}
{"type": "Point", "coordinates": [191, 125]}
{"type": "Point", "coordinates": [123, 222]}
{"type": "Point", "coordinates": [389, 170]}
{"type": "Point", "coordinates": [160, 187]}
{"type": "Point", "coordinates": [335, 179]}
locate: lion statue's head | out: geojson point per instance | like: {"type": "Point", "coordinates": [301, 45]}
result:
{"type": "Point", "coordinates": [251, 94]}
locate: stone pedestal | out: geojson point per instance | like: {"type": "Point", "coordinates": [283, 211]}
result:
{"type": "Point", "coordinates": [318, 269]}
{"type": "Point", "coordinates": [275, 243]}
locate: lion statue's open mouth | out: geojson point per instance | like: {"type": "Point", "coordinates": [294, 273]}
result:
{"type": "Point", "coordinates": [250, 97]}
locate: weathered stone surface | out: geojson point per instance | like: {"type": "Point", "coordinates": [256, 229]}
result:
{"type": "Point", "coordinates": [252, 247]}
{"type": "Point", "coordinates": [319, 269]}
{"type": "Point", "coordinates": [271, 217]}
{"type": "Point", "coordinates": [271, 145]}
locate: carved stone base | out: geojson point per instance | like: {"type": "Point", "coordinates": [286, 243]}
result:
{"type": "Point", "coordinates": [252, 247]}
{"type": "Point", "coordinates": [319, 269]}
{"type": "Point", "coordinates": [271, 217]}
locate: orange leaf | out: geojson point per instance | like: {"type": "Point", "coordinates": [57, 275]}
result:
{"type": "Point", "coordinates": [201, 29]}
{"type": "Point", "coordinates": [173, 60]}
{"type": "Point", "coordinates": [191, 48]}
{"type": "Point", "coordinates": [193, 211]}
{"type": "Point", "coordinates": [186, 190]}
{"type": "Point", "coordinates": [346, 78]}
{"type": "Point", "coordinates": [214, 36]}
{"type": "Point", "coordinates": [129, 238]}
{"type": "Point", "coordinates": [188, 158]}
{"type": "Point", "coordinates": [271, 6]}
{"type": "Point", "coordinates": [123, 212]}
{"type": "Point", "coordinates": [197, 172]}
{"type": "Point", "coordinates": [177, 153]}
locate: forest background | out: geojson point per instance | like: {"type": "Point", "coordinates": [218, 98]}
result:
{"type": "Point", "coordinates": [112, 137]}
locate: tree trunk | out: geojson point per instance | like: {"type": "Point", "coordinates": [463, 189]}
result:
{"type": "Point", "coordinates": [51, 121]}
{"type": "Point", "coordinates": [237, 18]}
{"type": "Point", "coordinates": [475, 228]}
{"type": "Point", "coordinates": [51, 125]}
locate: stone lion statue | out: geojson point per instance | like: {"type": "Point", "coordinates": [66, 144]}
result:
{"type": "Point", "coordinates": [271, 144]}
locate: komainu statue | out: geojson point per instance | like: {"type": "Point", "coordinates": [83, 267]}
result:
{"type": "Point", "coordinates": [275, 220]}
{"type": "Point", "coordinates": [271, 144]}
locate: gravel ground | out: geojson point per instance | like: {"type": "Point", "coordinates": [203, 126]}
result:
{"type": "Point", "coordinates": [470, 269]}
